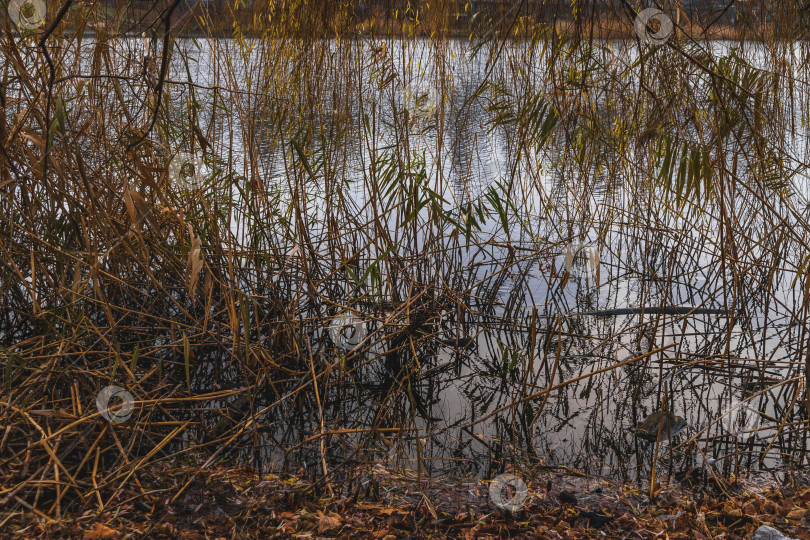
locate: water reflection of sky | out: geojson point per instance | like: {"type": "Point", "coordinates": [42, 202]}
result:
{"type": "Point", "coordinates": [647, 257]}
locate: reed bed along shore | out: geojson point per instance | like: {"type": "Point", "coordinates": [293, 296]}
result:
{"type": "Point", "coordinates": [307, 247]}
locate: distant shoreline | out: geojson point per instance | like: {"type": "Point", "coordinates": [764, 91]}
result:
{"type": "Point", "coordinates": [718, 33]}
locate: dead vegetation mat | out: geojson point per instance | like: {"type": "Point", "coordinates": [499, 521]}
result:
{"type": "Point", "coordinates": [184, 501]}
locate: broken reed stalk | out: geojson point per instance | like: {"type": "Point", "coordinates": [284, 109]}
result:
{"type": "Point", "coordinates": [664, 416]}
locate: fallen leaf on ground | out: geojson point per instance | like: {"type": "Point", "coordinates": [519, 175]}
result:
{"type": "Point", "coordinates": [101, 532]}
{"type": "Point", "coordinates": [326, 523]}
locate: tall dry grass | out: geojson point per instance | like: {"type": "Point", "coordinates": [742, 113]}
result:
{"type": "Point", "coordinates": [211, 293]}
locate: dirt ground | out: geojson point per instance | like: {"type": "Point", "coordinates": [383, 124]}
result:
{"type": "Point", "coordinates": [184, 502]}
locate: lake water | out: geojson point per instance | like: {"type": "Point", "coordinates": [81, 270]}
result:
{"type": "Point", "coordinates": [597, 215]}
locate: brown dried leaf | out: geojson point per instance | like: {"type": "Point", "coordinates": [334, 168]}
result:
{"type": "Point", "coordinates": [327, 523]}
{"type": "Point", "coordinates": [101, 532]}
{"type": "Point", "coordinates": [140, 203]}
{"type": "Point", "coordinates": [195, 262]}
{"type": "Point", "coordinates": [796, 514]}
{"type": "Point", "coordinates": [130, 205]}
{"type": "Point", "coordinates": [33, 137]}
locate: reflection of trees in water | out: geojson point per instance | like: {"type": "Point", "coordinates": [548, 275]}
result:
{"type": "Point", "coordinates": [465, 139]}
{"type": "Point", "coordinates": [587, 423]}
